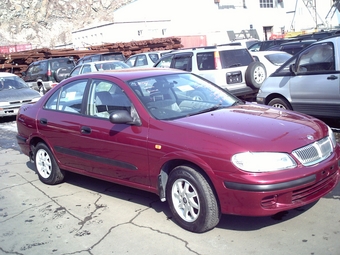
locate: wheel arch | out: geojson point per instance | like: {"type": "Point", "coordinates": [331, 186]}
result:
{"type": "Point", "coordinates": [275, 95]}
{"type": "Point", "coordinates": [33, 144]}
{"type": "Point", "coordinates": [168, 166]}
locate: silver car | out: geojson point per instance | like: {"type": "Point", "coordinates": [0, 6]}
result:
{"type": "Point", "coordinates": [14, 92]}
{"type": "Point", "coordinates": [309, 82]}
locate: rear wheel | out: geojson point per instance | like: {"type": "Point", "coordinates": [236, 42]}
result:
{"type": "Point", "coordinates": [192, 200]}
{"type": "Point", "coordinates": [280, 103]}
{"type": "Point", "coordinates": [46, 165]}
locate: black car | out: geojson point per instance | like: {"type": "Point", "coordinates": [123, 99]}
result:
{"type": "Point", "coordinates": [292, 47]}
{"type": "Point", "coordinates": [44, 74]}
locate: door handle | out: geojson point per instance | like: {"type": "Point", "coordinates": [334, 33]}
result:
{"type": "Point", "coordinates": [332, 77]}
{"type": "Point", "coordinates": [43, 121]}
{"type": "Point", "coordinates": [85, 130]}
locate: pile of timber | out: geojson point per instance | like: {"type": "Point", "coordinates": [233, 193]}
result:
{"type": "Point", "coordinates": [18, 62]}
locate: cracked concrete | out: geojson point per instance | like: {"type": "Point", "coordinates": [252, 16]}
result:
{"type": "Point", "coordinates": [88, 216]}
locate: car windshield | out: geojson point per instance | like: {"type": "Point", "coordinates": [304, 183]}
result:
{"type": "Point", "coordinates": [180, 95]}
{"type": "Point", "coordinates": [13, 82]}
{"type": "Point", "coordinates": [234, 58]}
{"type": "Point", "coordinates": [278, 58]}
{"type": "Point", "coordinates": [111, 65]}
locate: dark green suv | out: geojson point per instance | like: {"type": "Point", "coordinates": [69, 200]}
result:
{"type": "Point", "coordinates": [44, 74]}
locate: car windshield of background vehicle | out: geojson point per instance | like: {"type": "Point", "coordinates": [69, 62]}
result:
{"type": "Point", "coordinates": [180, 95]}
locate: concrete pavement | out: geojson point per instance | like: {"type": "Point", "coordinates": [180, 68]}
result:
{"type": "Point", "coordinates": [89, 216]}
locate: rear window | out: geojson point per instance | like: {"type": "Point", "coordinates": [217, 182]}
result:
{"type": "Point", "coordinates": [278, 59]}
{"type": "Point", "coordinates": [113, 56]}
{"type": "Point", "coordinates": [61, 63]}
{"type": "Point", "coordinates": [234, 58]}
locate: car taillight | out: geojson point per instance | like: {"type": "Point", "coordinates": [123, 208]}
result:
{"type": "Point", "coordinates": [53, 85]}
{"type": "Point", "coordinates": [217, 60]}
{"type": "Point", "coordinates": [49, 73]}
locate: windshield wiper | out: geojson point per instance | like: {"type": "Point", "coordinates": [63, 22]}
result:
{"type": "Point", "coordinates": [234, 65]}
{"type": "Point", "coordinates": [210, 109]}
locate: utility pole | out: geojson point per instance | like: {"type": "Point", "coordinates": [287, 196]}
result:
{"type": "Point", "coordinates": [311, 7]}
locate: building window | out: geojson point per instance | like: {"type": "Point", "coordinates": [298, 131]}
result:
{"type": "Point", "coordinates": [266, 4]}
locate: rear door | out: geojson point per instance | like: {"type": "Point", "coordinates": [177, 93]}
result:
{"type": "Point", "coordinates": [315, 89]}
{"type": "Point", "coordinates": [76, 124]}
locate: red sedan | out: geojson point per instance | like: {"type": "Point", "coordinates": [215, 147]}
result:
{"type": "Point", "coordinates": [175, 134]}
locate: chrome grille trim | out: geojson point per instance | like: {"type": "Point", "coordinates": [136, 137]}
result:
{"type": "Point", "coordinates": [315, 152]}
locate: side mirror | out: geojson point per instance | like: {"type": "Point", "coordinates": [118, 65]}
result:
{"type": "Point", "coordinates": [123, 117]}
{"type": "Point", "coordinates": [292, 68]}
{"type": "Point", "coordinates": [23, 73]}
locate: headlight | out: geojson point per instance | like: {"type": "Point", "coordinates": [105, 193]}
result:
{"type": "Point", "coordinates": [258, 162]}
{"type": "Point", "coordinates": [332, 136]}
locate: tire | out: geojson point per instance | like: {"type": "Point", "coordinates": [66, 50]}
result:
{"type": "Point", "coordinates": [61, 74]}
{"type": "Point", "coordinates": [46, 165]}
{"type": "Point", "coordinates": [255, 74]}
{"type": "Point", "coordinates": [192, 200]}
{"type": "Point", "coordinates": [280, 103]}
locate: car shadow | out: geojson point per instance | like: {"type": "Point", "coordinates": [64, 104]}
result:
{"type": "Point", "coordinates": [249, 223]}
{"type": "Point", "coordinates": [151, 200]}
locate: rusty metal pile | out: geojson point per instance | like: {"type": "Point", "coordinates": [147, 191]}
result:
{"type": "Point", "coordinates": [18, 62]}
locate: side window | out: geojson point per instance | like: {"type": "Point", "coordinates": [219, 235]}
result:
{"type": "Point", "coordinates": [205, 61]}
{"type": "Point", "coordinates": [42, 67]}
{"type": "Point", "coordinates": [68, 98]}
{"type": "Point", "coordinates": [131, 61]}
{"type": "Point", "coordinates": [106, 97]}
{"type": "Point", "coordinates": [141, 60]}
{"type": "Point", "coordinates": [86, 69]}
{"type": "Point", "coordinates": [319, 57]}
{"type": "Point", "coordinates": [165, 62]}
{"type": "Point", "coordinates": [154, 57]}
{"type": "Point", "coordinates": [182, 62]}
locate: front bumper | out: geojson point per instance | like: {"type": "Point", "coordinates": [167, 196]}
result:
{"type": "Point", "coordinates": [269, 199]}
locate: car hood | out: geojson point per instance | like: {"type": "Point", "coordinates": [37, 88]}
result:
{"type": "Point", "coordinates": [18, 94]}
{"type": "Point", "coordinates": [253, 127]}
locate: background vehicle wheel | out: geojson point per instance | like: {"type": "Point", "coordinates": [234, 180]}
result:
{"type": "Point", "coordinates": [198, 96]}
{"type": "Point", "coordinates": [280, 103]}
{"type": "Point", "coordinates": [61, 74]}
{"type": "Point", "coordinates": [46, 166]}
{"type": "Point", "coordinates": [192, 200]}
{"type": "Point", "coordinates": [255, 74]}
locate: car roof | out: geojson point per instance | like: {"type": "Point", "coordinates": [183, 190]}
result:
{"type": "Point", "coordinates": [101, 62]}
{"type": "Point", "coordinates": [128, 74]}
{"type": "Point", "coordinates": [6, 74]}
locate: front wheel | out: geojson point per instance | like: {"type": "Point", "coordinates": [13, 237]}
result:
{"type": "Point", "coordinates": [192, 200]}
{"type": "Point", "coordinates": [280, 103]}
{"type": "Point", "coordinates": [46, 165]}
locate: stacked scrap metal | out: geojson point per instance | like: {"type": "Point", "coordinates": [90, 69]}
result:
{"type": "Point", "coordinates": [18, 62]}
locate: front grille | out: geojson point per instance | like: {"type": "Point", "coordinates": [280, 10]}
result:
{"type": "Point", "coordinates": [315, 152]}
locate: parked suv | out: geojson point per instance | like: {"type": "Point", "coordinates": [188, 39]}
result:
{"type": "Point", "coordinates": [230, 66]}
{"type": "Point", "coordinates": [44, 74]}
{"type": "Point", "coordinates": [101, 57]}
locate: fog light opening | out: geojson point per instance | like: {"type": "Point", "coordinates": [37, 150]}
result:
{"type": "Point", "coordinates": [269, 201]}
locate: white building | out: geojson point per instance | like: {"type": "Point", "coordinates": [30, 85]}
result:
{"type": "Point", "coordinates": [147, 19]}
